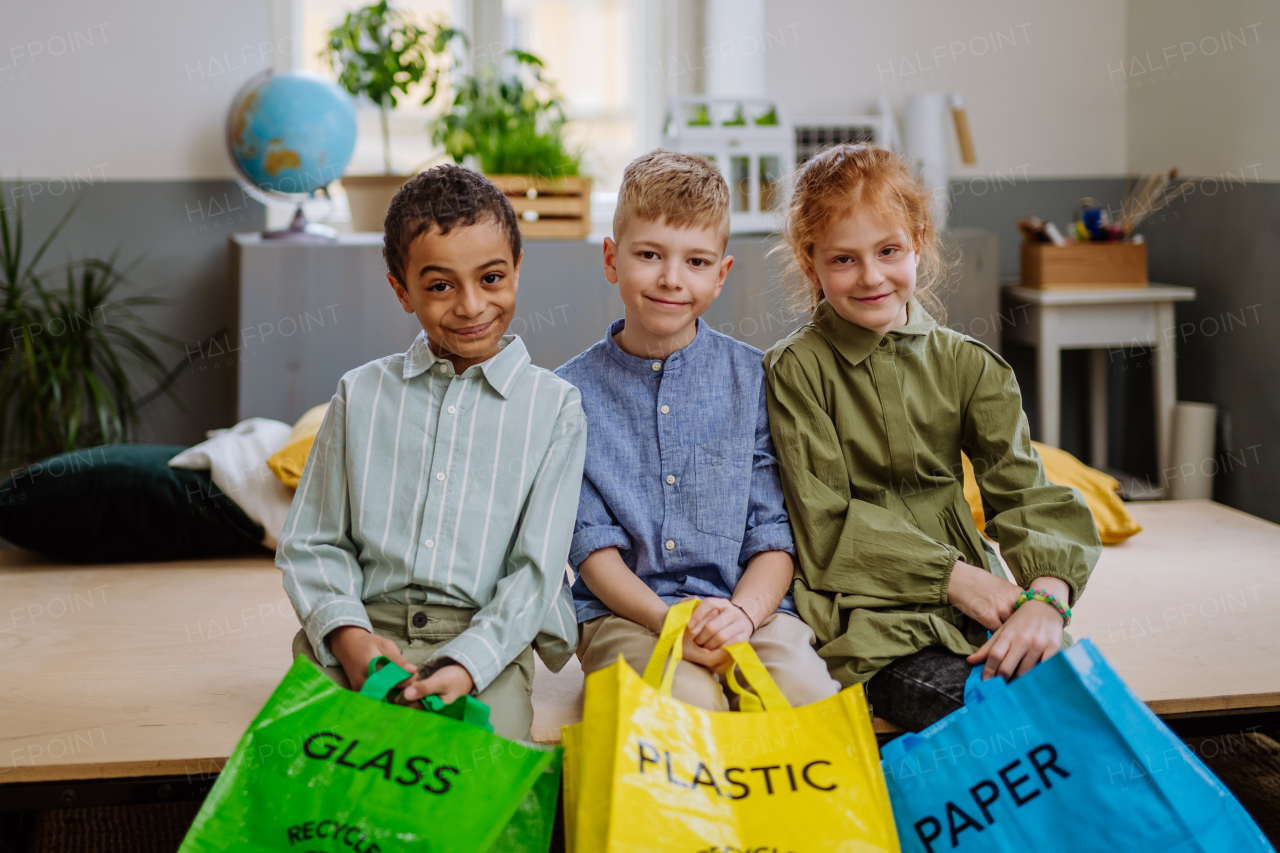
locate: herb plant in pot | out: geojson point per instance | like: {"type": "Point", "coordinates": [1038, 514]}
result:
{"type": "Point", "coordinates": [511, 128]}
{"type": "Point", "coordinates": [379, 52]}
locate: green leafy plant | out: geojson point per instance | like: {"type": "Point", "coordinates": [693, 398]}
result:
{"type": "Point", "coordinates": [511, 124]}
{"type": "Point", "coordinates": [378, 51]}
{"type": "Point", "coordinates": [68, 349]}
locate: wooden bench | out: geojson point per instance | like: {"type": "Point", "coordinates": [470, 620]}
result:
{"type": "Point", "coordinates": [154, 670]}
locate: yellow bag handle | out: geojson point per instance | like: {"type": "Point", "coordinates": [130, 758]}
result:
{"type": "Point", "coordinates": [669, 651]}
{"type": "Point", "coordinates": [659, 674]}
{"type": "Point", "coordinates": [767, 696]}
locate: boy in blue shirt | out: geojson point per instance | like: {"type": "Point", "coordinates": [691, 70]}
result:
{"type": "Point", "coordinates": [680, 491]}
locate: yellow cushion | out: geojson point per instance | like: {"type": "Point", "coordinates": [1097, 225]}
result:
{"type": "Point", "coordinates": [1098, 489]}
{"type": "Point", "coordinates": [287, 463]}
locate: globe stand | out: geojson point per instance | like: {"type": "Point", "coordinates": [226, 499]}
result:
{"type": "Point", "coordinates": [300, 231]}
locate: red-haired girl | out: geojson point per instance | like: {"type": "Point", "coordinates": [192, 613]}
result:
{"type": "Point", "coordinates": [870, 406]}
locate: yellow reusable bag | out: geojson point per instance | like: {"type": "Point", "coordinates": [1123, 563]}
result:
{"type": "Point", "coordinates": [646, 773]}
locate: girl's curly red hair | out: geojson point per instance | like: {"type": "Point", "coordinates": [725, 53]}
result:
{"type": "Point", "coordinates": [839, 179]}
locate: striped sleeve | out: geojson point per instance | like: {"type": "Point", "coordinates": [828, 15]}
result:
{"type": "Point", "coordinates": [322, 575]}
{"type": "Point", "coordinates": [532, 591]}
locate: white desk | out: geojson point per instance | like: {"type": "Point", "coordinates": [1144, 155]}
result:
{"type": "Point", "coordinates": [1099, 321]}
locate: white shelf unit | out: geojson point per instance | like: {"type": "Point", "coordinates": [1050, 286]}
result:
{"type": "Point", "coordinates": [755, 158]}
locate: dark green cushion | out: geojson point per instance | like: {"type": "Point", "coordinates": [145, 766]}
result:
{"type": "Point", "coordinates": [119, 503]}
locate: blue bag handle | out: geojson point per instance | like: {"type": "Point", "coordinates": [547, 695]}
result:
{"type": "Point", "coordinates": [976, 691]}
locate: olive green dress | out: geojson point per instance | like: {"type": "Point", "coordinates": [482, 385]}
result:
{"type": "Point", "coordinates": [869, 429]}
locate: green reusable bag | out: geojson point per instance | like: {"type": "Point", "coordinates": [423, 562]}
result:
{"type": "Point", "coordinates": [323, 768]}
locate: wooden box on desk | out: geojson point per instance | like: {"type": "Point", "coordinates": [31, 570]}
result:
{"type": "Point", "coordinates": [1084, 265]}
{"type": "Point", "coordinates": [555, 207]}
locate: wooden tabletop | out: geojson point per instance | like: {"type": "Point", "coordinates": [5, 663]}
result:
{"type": "Point", "coordinates": [1188, 611]}
{"type": "Point", "coordinates": [157, 669]}
{"type": "Point", "coordinates": [135, 670]}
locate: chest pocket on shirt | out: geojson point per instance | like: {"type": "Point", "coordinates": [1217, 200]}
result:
{"type": "Point", "coordinates": [722, 474]}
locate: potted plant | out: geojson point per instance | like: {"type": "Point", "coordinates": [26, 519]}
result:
{"type": "Point", "coordinates": [379, 52]}
{"type": "Point", "coordinates": [66, 380]}
{"type": "Point", "coordinates": [511, 128]}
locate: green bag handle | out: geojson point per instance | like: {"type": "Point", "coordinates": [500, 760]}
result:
{"type": "Point", "coordinates": [464, 709]}
{"type": "Point", "coordinates": [382, 681]}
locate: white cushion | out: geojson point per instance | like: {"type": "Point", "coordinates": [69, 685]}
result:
{"type": "Point", "coordinates": [236, 459]}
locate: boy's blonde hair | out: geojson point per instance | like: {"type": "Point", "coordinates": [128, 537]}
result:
{"type": "Point", "coordinates": [841, 178]}
{"type": "Point", "coordinates": [681, 190]}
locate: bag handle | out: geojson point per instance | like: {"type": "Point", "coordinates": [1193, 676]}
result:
{"type": "Point", "coordinates": [464, 709]}
{"type": "Point", "coordinates": [382, 681]}
{"type": "Point", "coordinates": [669, 651]}
{"type": "Point", "coordinates": [767, 695]}
{"type": "Point", "coordinates": [661, 672]}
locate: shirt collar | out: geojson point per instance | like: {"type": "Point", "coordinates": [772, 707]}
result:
{"type": "Point", "coordinates": [856, 343]}
{"type": "Point", "coordinates": [499, 371]}
{"type": "Point", "coordinates": [645, 365]}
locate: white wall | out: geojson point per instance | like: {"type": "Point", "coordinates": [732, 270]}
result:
{"type": "Point", "coordinates": [141, 93]}
{"type": "Point", "coordinates": [1203, 86]}
{"type": "Point", "coordinates": [1033, 75]}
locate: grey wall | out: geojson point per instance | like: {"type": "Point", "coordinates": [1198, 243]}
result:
{"type": "Point", "coordinates": [1223, 240]}
{"type": "Point", "coordinates": [175, 232]}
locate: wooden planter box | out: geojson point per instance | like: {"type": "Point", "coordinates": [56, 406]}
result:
{"type": "Point", "coordinates": [1084, 265]}
{"type": "Point", "coordinates": [558, 208]}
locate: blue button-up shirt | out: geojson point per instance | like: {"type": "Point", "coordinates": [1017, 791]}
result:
{"type": "Point", "coordinates": [680, 474]}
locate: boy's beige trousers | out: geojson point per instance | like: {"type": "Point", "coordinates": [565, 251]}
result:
{"type": "Point", "coordinates": [783, 643]}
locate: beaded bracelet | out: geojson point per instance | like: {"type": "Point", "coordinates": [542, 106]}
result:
{"type": "Point", "coordinates": [1048, 598]}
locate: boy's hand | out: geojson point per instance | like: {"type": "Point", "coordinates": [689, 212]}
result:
{"type": "Point", "coordinates": [1032, 634]}
{"type": "Point", "coordinates": [718, 622]}
{"type": "Point", "coordinates": [716, 660]}
{"type": "Point", "coordinates": [982, 596]}
{"type": "Point", "coordinates": [447, 682]}
{"type": "Point", "coordinates": [355, 646]}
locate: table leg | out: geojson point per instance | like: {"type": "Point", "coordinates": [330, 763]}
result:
{"type": "Point", "coordinates": [1165, 378]}
{"type": "Point", "coordinates": [1049, 376]}
{"type": "Point", "coordinates": [1098, 363]}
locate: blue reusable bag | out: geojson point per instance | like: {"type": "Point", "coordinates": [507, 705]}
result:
{"type": "Point", "coordinates": [1065, 758]}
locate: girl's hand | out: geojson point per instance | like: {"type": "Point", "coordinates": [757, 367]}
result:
{"type": "Point", "coordinates": [982, 596]}
{"type": "Point", "coordinates": [1032, 634]}
{"type": "Point", "coordinates": [718, 622]}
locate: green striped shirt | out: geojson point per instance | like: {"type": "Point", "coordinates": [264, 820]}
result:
{"type": "Point", "coordinates": [425, 486]}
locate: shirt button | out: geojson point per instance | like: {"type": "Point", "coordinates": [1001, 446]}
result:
{"type": "Point", "coordinates": [452, 410]}
{"type": "Point", "coordinates": [441, 367]}
{"type": "Point", "coordinates": [430, 543]}
{"type": "Point", "coordinates": [666, 410]}
{"type": "Point", "coordinates": [419, 619]}
{"type": "Point", "coordinates": [440, 476]}
{"type": "Point", "coordinates": [671, 479]}
{"type": "Point", "coordinates": [657, 365]}
{"type": "Point", "coordinates": [671, 544]}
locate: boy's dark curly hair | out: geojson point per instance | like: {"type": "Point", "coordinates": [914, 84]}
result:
{"type": "Point", "coordinates": [443, 196]}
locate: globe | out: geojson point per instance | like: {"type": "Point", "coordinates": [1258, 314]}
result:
{"type": "Point", "coordinates": [290, 134]}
